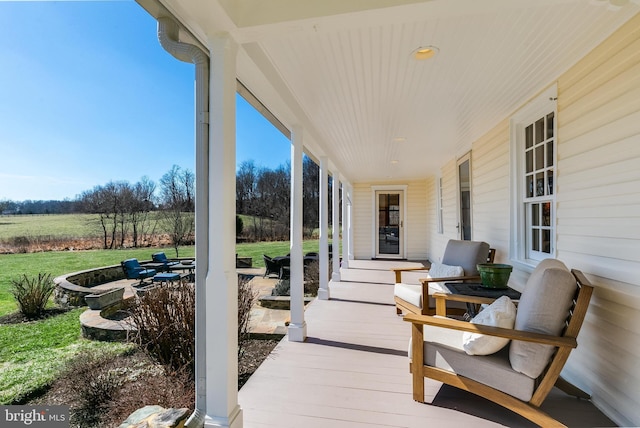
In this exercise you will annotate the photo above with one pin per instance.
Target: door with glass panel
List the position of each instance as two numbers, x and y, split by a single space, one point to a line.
389 224
464 201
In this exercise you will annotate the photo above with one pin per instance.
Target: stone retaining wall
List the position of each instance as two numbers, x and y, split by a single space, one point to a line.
72 288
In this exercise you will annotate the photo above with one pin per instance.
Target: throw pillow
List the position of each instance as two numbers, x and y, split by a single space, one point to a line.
501 313
439 270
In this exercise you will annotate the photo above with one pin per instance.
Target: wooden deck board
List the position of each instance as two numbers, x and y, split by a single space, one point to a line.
353 371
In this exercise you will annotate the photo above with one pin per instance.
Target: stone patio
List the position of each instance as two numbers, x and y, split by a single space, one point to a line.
100 325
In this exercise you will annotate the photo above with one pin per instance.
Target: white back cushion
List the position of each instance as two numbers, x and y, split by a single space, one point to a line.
543 308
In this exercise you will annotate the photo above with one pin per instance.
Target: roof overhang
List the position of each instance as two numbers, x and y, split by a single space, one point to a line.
344 70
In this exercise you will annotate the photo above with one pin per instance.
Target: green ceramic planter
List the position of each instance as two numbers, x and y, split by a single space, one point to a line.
494 275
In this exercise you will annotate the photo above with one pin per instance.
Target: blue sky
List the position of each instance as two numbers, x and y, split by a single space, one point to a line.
88 95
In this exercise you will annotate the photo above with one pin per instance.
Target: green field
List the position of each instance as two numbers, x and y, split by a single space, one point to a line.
62 226
51 225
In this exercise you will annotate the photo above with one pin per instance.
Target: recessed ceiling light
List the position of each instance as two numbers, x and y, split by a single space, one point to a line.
424 52
393 162
399 140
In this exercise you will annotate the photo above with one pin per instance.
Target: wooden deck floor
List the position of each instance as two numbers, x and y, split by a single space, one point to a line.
353 371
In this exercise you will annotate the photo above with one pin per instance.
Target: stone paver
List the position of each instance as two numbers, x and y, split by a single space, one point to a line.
263 320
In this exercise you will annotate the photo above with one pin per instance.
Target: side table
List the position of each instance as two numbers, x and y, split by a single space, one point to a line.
478 290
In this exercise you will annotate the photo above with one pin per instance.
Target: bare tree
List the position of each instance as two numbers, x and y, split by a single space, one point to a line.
310 196
139 210
121 208
246 178
271 204
177 199
104 201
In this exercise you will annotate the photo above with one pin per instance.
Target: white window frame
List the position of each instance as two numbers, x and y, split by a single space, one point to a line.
542 105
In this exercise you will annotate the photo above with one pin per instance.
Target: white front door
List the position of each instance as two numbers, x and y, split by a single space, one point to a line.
389 224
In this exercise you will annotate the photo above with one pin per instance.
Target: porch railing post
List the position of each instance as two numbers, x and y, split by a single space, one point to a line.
297 326
335 227
346 210
221 325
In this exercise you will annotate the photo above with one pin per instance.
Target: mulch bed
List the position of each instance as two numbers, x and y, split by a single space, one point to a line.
144 382
255 352
18 318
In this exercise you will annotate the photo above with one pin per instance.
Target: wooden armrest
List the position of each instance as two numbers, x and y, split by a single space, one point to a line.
449 279
507 333
398 271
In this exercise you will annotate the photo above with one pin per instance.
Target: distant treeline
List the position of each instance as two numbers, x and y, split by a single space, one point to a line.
39 207
263 194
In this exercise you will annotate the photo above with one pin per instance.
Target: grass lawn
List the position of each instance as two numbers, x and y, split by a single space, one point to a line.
33 353
60 262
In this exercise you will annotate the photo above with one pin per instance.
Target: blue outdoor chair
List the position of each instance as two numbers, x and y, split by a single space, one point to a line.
162 258
133 270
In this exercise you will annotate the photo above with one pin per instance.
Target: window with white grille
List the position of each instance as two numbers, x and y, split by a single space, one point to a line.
539 154
533 196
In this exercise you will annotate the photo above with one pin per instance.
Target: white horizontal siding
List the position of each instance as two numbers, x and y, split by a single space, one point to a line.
598 212
418 218
490 162
362 221
598 215
438 241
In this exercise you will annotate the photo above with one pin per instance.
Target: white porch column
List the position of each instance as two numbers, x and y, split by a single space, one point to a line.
350 222
297 326
221 326
335 227
323 291
346 206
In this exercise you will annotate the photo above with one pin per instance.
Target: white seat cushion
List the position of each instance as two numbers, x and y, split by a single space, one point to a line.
493 370
410 293
443 349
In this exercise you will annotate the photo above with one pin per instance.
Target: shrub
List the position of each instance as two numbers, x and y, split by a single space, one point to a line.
93 381
282 288
104 389
165 319
312 279
239 225
32 293
246 298
21 244
311 282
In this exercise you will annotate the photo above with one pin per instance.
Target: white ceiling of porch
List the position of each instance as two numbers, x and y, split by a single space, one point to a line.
342 69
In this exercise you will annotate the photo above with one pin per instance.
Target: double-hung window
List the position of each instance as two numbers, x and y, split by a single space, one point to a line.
534 144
